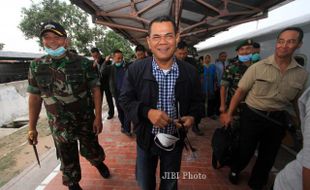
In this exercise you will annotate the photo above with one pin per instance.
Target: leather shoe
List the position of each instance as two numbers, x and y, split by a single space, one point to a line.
103 170
75 186
197 131
126 132
110 117
233 177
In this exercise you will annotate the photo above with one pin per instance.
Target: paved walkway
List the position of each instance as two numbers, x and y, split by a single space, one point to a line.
121 154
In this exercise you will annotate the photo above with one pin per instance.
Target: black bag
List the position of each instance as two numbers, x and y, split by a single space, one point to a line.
224 143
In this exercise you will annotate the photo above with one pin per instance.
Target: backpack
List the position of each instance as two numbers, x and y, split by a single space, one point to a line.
224 143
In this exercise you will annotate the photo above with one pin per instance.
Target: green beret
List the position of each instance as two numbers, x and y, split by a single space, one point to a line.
244 43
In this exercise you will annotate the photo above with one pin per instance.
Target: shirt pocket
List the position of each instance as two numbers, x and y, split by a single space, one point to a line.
75 81
44 77
291 90
262 86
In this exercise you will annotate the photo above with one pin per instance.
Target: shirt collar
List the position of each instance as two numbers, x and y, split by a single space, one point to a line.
271 61
173 68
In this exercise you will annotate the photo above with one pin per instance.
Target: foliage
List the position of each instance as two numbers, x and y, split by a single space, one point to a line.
113 41
73 19
1 46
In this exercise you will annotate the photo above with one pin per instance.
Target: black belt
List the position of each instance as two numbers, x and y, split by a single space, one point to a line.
267 114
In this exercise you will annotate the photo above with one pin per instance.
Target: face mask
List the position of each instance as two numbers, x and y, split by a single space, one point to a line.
255 57
245 58
55 53
165 141
118 64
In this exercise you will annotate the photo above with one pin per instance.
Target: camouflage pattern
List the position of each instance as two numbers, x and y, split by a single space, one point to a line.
231 76
65 87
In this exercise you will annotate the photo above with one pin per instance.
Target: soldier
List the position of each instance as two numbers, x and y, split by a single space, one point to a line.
70 90
234 71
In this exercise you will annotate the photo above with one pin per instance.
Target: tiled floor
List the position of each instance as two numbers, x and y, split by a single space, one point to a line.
121 154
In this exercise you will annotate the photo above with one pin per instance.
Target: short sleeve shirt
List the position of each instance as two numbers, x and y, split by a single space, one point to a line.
268 88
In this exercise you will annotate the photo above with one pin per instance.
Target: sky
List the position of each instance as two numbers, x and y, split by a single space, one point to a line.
10 34
14 40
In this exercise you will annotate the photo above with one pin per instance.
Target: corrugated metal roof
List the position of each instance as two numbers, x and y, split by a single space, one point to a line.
197 20
19 55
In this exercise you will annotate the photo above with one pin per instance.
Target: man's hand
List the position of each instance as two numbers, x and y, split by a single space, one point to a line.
222 108
32 137
97 125
187 121
158 118
225 119
107 58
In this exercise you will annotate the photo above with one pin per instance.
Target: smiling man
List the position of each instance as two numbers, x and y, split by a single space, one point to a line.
269 87
70 90
157 90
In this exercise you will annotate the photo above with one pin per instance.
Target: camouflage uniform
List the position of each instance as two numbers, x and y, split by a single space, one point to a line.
231 76
65 87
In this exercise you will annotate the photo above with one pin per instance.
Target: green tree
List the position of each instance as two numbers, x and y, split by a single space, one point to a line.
113 41
82 35
1 46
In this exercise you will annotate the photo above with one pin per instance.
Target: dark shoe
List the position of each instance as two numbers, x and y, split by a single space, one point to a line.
103 170
197 131
75 186
110 117
126 132
233 178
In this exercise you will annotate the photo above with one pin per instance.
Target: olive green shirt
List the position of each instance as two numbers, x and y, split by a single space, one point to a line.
268 88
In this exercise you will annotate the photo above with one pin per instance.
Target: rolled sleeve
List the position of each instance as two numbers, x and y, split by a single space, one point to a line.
32 82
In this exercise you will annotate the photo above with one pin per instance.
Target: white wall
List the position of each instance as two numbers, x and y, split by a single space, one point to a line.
13 101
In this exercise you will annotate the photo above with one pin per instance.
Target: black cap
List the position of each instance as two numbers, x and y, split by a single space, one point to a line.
54 27
244 43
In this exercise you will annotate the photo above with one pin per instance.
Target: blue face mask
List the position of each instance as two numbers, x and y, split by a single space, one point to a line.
255 57
55 53
245 58
118 64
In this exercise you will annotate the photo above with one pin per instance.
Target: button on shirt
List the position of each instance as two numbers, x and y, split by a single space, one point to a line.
268 88
166 94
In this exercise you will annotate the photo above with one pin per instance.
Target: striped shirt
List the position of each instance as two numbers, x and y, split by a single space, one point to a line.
166 94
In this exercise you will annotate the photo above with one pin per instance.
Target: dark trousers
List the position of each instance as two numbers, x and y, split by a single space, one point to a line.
258 131
105 89
170 163
211 107
217 102
125 122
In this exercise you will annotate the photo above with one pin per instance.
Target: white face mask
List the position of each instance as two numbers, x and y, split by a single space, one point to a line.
165 141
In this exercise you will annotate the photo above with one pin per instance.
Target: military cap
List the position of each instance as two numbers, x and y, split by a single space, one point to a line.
244 43
54 27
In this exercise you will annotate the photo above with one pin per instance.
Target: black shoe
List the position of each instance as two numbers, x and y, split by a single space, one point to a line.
197 131
75 186
110 117
233 178
103 170
126 132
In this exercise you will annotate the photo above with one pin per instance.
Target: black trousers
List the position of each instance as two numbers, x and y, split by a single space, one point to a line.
217 102
105 89
256 130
